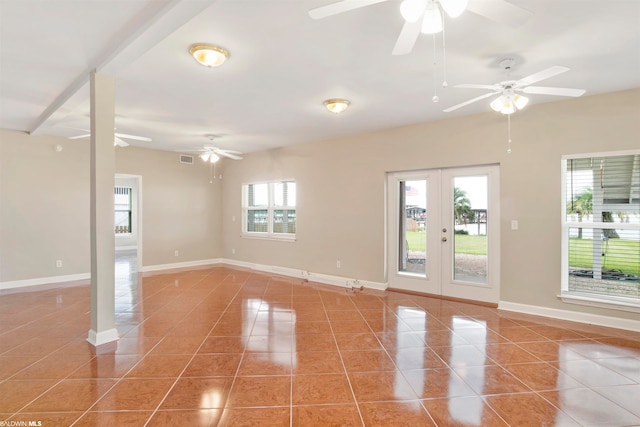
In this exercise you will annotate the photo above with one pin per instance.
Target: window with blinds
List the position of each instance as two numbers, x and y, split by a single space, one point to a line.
601 227
269 209
122 209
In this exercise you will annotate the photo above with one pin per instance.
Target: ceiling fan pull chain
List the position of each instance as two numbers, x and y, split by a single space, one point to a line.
435 98
509 133
444 58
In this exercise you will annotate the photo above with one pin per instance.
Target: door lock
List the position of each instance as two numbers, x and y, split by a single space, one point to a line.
444 230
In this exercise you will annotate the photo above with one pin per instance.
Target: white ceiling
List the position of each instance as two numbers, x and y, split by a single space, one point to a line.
283 64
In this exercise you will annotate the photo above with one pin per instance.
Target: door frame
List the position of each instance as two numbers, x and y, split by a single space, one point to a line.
435 284
138 217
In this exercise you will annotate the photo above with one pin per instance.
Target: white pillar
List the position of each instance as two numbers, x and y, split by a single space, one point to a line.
102 220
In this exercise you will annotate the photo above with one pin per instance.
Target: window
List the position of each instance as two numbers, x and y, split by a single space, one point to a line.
122 209
269 209
601 229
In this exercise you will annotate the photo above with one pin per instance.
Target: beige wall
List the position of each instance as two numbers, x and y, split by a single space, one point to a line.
44 206
341 187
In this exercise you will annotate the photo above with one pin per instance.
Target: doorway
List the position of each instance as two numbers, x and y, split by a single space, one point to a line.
444 232
128 219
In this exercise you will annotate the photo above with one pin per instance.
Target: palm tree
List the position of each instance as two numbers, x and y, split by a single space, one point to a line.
461 206
582 204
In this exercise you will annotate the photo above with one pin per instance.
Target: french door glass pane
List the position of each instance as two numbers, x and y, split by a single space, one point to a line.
470 213
412 226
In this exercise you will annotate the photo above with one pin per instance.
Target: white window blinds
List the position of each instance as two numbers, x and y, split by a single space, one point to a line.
601 226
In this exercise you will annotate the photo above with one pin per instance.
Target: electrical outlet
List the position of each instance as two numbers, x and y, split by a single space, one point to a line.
175 253
233 218
59 263
233 251
338 264
514 224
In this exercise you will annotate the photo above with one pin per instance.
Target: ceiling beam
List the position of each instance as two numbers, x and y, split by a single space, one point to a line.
145 30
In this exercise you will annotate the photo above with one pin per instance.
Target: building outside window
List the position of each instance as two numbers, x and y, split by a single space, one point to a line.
122 210
601 229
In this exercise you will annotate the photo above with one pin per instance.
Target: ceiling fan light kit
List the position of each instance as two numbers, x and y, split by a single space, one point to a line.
209 55
210 157
429 11
336 105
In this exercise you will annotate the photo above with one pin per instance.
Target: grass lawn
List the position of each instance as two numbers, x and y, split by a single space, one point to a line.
623 255
474 245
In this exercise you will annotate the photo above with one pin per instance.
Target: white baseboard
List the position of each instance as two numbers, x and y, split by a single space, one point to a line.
126 248
574 316
102 337
44 281
186 264
325 279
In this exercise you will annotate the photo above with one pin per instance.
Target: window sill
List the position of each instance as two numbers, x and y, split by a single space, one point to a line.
271 237
591 300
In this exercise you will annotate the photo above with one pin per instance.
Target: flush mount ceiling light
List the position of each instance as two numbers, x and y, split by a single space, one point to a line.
336 105
209 55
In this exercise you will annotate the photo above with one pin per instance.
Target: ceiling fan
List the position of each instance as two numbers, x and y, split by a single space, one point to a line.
117 139
509 100
212 154
426 16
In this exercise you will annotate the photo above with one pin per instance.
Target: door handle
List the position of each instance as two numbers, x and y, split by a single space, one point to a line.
444 239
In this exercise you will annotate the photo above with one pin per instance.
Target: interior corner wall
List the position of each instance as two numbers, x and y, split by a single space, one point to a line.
44 207
180 206
341 189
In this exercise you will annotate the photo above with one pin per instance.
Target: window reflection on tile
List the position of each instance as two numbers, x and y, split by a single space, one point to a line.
223 346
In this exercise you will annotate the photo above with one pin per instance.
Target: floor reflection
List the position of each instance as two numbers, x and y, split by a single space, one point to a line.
224 346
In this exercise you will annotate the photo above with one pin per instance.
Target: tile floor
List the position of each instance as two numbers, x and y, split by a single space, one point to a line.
223 346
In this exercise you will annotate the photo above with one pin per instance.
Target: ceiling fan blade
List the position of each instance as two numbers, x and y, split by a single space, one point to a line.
229 155
472 86
541 75
407 38
220 150
339 7
500 11
558 91
120 143
134 137
80 136
471 101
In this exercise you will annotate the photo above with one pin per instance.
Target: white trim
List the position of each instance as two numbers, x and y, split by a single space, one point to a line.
126 248
610 302
186 264
326 279
276 237
600 154
574 316
102 337
44 281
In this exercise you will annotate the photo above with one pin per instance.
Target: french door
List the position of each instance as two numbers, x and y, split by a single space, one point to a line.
444 232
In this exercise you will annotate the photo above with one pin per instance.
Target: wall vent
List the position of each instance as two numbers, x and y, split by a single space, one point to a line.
184 158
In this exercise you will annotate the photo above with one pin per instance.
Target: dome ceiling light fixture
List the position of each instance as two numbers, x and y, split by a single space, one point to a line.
208 54
336 105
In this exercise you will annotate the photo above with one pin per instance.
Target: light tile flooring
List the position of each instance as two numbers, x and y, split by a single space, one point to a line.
222 346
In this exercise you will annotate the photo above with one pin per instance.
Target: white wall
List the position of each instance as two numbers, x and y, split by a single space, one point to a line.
341 189
44 207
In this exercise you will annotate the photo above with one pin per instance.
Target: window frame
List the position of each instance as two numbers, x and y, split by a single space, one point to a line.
581 297
271 207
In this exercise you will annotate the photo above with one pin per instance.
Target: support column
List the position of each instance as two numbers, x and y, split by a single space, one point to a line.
102 234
